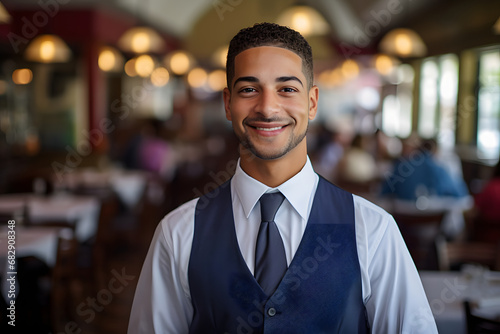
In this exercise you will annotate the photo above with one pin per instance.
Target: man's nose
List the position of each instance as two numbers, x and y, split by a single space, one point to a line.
268 103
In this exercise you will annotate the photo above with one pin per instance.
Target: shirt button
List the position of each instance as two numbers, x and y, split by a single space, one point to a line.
271 312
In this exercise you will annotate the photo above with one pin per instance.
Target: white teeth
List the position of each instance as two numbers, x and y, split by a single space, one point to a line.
269 129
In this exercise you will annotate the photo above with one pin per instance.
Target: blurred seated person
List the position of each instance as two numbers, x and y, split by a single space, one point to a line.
419 184
416 173
487 202
447 158
331 153
357 170
149 151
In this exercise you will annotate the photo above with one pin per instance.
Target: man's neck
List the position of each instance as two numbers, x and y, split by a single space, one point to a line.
277 171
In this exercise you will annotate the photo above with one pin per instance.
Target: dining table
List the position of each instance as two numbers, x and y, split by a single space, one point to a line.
128 185
36 241
446 292
83 211
453 223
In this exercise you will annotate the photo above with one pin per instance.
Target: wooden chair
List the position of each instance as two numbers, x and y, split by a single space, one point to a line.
65 287
103 242
62 223
453 254
420 232
20 216
485 230
479 325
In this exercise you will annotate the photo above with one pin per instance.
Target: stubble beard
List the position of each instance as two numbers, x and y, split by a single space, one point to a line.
248 146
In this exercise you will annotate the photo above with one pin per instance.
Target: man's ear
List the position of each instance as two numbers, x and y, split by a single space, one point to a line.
313 102
227 99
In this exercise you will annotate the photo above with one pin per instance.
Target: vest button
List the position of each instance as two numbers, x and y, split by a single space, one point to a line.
271 312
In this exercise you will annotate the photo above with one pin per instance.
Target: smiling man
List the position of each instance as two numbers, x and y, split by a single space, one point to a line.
277 249
270 100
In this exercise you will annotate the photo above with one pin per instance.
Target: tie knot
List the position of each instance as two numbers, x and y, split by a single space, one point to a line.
269 205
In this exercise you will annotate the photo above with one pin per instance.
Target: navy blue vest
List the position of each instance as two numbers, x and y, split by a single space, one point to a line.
320 292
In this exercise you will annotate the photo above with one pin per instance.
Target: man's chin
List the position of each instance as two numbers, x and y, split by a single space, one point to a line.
250 151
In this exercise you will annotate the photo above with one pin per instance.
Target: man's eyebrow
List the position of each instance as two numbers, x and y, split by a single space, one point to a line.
289 78
248 79
279 79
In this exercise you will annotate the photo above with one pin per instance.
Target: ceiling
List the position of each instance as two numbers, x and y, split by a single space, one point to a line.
204 25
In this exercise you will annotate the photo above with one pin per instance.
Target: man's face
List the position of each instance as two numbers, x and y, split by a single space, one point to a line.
269 103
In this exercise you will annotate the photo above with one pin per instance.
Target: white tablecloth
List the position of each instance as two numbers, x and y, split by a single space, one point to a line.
32 241
40 242
447 290
128 185
453 221
83 210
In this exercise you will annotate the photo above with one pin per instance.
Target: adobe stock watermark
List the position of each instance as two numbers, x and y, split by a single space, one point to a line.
421 321
211 189
223 6
454 290
31 26
363 36
297 273
408 165
122 107
92 305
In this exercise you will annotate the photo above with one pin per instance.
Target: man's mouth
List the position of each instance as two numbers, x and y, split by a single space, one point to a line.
269 129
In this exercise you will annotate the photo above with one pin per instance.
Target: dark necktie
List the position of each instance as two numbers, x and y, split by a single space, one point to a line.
270 258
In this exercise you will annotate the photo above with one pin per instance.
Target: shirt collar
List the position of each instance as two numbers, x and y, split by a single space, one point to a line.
297 190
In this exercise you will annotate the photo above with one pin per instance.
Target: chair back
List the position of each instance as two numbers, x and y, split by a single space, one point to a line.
420 232
479 325
65 282
453 254
485 230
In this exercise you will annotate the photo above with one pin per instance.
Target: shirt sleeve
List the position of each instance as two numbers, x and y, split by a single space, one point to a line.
395 300
162 302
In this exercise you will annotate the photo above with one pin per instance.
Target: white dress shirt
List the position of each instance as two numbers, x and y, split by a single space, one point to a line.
392 292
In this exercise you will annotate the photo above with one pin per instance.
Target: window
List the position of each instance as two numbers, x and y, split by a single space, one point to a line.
488 123
438 99
397 106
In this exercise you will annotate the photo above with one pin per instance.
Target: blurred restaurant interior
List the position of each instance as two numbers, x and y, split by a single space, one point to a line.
111 115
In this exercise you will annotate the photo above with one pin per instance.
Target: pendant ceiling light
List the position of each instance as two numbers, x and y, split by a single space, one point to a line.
496 27
4 15
403 43
141 40
110 59
305 20
48 49
179 62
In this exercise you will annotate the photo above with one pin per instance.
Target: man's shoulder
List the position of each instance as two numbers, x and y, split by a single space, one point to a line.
369 211
179 216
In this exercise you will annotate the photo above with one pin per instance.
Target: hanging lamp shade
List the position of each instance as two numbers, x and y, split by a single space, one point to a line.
219 56
496 27
385 64
179 62
141 40
403 43
305 20
48 49
4 15
110 59
22 76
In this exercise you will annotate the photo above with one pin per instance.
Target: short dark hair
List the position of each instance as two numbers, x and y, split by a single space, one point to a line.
270 34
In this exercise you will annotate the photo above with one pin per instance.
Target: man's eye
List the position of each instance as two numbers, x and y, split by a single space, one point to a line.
247 90
288 90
